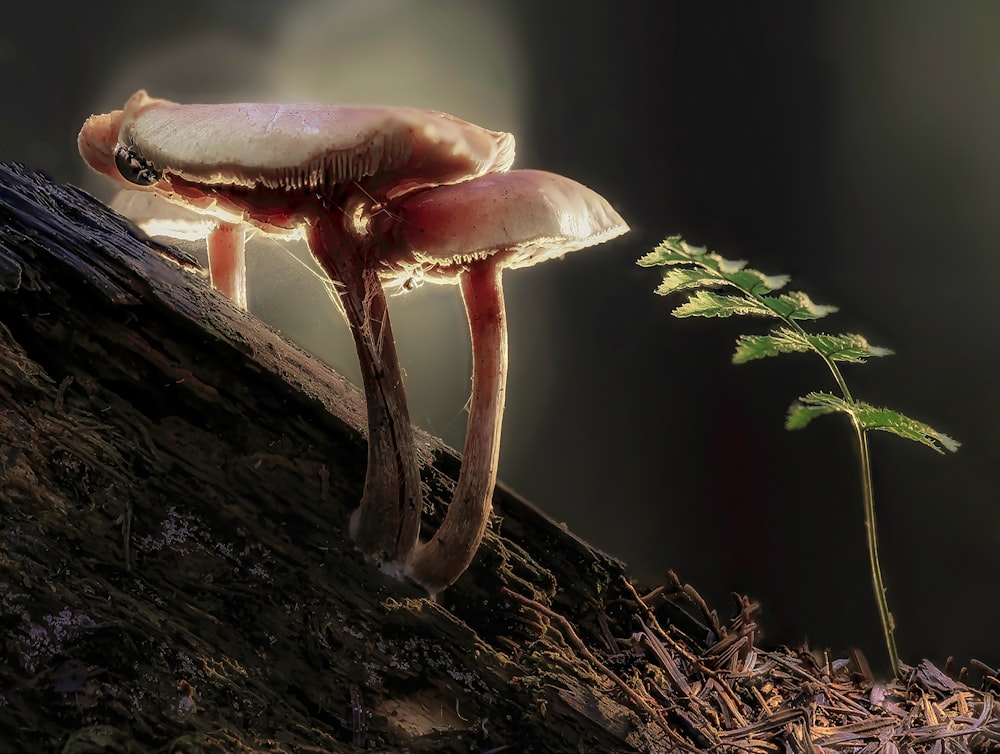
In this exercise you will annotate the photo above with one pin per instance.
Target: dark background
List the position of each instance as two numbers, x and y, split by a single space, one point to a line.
852 145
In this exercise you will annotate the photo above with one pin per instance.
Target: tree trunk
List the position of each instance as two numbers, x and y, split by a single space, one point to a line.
176 575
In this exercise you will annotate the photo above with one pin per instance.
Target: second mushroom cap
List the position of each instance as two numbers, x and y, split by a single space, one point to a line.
524 217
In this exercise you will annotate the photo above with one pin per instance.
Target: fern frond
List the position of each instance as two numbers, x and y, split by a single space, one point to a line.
811 405
688 277
673 250
704 303
797 305
756 282
846 347
711 268
886 420
850 348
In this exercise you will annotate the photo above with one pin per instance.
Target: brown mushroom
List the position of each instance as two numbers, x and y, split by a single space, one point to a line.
469 233
331 170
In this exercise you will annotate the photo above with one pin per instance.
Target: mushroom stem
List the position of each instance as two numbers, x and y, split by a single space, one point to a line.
227 265
438 563
387 522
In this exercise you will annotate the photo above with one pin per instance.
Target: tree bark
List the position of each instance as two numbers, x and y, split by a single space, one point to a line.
175 569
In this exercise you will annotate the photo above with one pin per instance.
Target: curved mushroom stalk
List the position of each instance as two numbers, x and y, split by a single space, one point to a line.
470 232
438 563
387 523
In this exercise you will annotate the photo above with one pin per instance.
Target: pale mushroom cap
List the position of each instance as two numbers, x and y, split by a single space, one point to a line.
526 216
288 147
98 140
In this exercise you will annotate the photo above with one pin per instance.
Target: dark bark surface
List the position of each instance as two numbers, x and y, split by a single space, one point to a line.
175 572
176 576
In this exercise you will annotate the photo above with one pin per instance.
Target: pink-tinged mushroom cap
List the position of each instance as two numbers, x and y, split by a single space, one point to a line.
521 218
292 147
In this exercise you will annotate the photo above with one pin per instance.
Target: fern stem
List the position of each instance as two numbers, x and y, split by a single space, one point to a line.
867 486
868 493
888 625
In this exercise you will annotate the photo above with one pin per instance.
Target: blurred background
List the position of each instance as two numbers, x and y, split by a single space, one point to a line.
852 145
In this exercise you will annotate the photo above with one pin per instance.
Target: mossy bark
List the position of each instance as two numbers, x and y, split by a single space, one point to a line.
175 570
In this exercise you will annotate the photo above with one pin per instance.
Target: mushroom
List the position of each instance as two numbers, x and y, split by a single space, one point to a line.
331 170
469 233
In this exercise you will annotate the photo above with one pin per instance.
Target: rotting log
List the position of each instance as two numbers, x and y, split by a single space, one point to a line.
175 573
175 568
